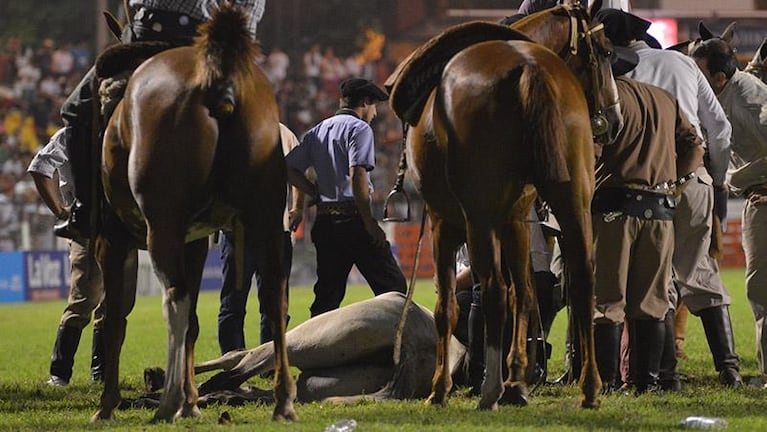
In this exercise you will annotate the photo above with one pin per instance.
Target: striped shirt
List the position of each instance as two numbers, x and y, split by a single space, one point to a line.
202 10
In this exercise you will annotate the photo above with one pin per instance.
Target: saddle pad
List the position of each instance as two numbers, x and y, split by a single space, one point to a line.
412 81
127 57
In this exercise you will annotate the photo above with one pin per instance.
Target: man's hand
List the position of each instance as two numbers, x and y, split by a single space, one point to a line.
758 197
720 201
375 231
63 213
295 216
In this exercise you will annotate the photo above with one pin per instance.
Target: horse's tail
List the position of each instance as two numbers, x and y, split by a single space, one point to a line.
225 50
544 124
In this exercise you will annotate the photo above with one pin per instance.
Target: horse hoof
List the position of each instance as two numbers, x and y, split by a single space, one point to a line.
157 420
101 416
487 405
286 413
590 403
436 401
514 395
190 412
161 417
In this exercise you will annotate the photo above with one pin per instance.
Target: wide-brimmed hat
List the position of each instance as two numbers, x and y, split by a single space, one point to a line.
351 87
623 27
624 60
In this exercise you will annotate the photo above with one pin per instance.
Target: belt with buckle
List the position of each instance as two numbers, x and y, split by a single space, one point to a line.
340 208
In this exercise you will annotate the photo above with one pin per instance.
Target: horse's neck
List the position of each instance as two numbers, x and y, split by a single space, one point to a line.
552 33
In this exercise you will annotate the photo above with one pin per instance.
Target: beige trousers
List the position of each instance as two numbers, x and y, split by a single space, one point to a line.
86 291
754 226
632 259
695 272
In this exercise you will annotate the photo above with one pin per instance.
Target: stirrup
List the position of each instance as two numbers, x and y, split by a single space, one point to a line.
395 198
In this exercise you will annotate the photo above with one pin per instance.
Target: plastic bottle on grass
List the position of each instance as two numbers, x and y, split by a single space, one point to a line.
698 422
346 425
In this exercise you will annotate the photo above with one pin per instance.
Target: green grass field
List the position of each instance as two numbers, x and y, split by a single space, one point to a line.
26 403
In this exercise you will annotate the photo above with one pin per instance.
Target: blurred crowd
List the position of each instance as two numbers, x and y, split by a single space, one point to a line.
35 79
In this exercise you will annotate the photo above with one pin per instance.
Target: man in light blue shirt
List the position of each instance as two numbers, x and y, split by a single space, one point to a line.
341 151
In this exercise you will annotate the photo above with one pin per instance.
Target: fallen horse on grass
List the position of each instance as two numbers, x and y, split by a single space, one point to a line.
344 355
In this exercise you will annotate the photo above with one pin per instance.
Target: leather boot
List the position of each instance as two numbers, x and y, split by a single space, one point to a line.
718 328
669 380
573 375
476 348
63 357
607 340
97 357
647 338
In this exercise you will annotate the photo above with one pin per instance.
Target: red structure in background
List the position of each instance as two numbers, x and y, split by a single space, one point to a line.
733 249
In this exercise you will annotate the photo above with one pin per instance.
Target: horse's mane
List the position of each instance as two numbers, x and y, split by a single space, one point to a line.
225 48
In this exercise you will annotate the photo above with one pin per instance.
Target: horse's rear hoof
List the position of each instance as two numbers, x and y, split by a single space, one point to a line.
286 413
191 411
514 395
486 405
101 416
590 403
434 400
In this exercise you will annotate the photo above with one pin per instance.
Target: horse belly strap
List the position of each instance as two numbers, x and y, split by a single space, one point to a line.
634 202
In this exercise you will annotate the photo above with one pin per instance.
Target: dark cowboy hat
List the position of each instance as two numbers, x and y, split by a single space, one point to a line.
624 60
623 27
361 87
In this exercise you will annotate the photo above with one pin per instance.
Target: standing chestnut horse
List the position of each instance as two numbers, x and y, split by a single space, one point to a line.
172 175
507 119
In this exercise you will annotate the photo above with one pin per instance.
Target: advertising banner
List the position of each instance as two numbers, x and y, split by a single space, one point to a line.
11 277
47 275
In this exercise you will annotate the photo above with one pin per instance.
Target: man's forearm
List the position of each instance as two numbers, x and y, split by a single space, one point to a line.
49 192
299 180
361 192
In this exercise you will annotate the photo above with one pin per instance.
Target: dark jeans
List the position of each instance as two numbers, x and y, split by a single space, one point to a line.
231 313
341 241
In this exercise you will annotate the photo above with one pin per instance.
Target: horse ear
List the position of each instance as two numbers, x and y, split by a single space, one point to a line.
729 33
114 25
596 5
705 33
762 51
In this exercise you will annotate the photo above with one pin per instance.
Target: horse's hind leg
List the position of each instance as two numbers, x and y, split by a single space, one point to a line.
571 204
273 297
485 252
517 250
194 254
167 250
118 259
446 240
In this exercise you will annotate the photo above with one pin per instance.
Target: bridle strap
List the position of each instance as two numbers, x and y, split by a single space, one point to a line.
576 23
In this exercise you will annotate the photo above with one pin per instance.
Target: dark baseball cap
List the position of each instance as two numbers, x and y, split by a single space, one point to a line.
624 60
622 27
351 87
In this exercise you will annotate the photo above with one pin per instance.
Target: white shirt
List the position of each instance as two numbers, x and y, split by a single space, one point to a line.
680 76
289 142
54 157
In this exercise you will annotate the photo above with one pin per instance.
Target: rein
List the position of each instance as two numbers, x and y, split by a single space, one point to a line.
599 123
399 189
